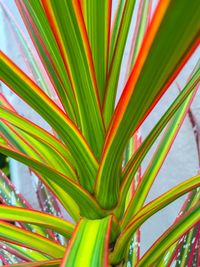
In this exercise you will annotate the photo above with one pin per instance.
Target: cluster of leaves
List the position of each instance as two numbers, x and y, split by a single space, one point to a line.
91 160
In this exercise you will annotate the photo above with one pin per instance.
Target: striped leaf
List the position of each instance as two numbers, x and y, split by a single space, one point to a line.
65 199
170 236
35 217
187 251
97 16
135 161
9 196
115 28
158 159
91 251
37 149
13 234
147 211
85 201
52 263
135 103
59 192
49 53
75 50
116 60
24 253
34 130
30 92
170 255
29 57
142 21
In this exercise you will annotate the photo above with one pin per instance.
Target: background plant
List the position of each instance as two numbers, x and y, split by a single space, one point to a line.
91 163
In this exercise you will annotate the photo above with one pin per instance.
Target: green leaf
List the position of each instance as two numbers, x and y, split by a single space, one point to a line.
37 149
139 96
61 194
25 253
65 199
90 243
147 211
185 250
97 16
71 136
135 161
87 204
113 74
157 159
35 131
49 53
75 50
115 28
191 200
142 21
170 236
29 57
52 263
35 217
9 196
18 236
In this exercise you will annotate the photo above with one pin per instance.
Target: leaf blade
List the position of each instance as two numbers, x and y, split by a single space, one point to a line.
170 236
158 158
53 263
25 238
97 15
125 120
147 211
9 213
84 200
70 135
92 251
75 51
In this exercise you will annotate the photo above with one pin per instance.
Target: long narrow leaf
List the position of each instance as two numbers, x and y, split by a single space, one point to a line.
11 233
75 50
85 201
115 28
157 159
139 96
34 130
91 251
97 16
35 217
48 51
169 256
10 196
135 161
52 263
60 192
28 90
24 253
142 21
37 149
113 74
146 212
170 236
28 55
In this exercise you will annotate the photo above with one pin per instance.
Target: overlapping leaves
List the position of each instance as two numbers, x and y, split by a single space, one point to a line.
82 162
